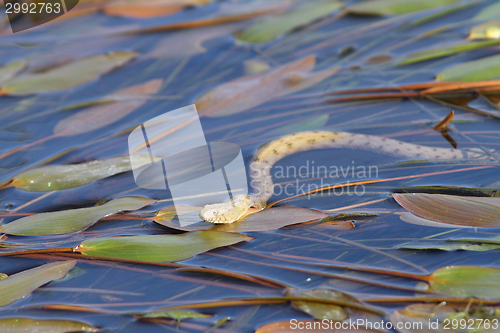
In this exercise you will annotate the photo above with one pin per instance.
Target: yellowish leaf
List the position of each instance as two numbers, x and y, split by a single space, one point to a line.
21 284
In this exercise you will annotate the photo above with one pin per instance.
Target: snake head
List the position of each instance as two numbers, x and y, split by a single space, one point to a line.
227 212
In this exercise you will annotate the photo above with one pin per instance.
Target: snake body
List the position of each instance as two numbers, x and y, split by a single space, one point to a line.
267 155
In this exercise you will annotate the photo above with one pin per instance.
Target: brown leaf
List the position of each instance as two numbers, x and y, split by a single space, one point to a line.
418 317
103 115
228 12
186 43
247 92
150 8
266 220
445 121
311 326
456 210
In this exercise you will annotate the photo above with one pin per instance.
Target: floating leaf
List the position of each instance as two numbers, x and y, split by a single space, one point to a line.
396 7
495 240
266 220
445 51
448 246
486 30
247 92
418 318
308 80
323 310
228 12
8 71
67 75
309 326
302 125
271 28
73 220
488 13
466 211
466 281
413 219
62 177
103 115
289 326
176 314
452 190
28 325
20 285
152 8
188 42
476 70
255 66
136 92
159 248
436 14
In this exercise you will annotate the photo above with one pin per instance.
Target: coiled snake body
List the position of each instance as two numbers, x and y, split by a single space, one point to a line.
270 153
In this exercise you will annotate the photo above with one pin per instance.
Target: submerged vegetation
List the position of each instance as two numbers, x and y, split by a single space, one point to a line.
404 246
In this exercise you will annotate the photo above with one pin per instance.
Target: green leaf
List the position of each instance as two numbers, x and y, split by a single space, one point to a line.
28 325
271 28
464 211
73 220
322 310
486 30
448 246
20 285
445 51
396 7
487 68
67 75
466 281
159 248
8 71
438 14
177 314
99 116
62 177
488 13
266 220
